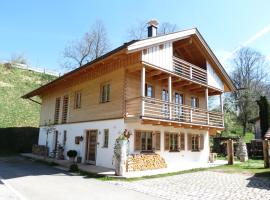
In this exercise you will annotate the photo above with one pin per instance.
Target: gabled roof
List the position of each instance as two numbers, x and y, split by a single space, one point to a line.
137 45
141 44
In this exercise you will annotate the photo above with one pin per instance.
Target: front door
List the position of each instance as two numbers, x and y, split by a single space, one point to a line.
91 146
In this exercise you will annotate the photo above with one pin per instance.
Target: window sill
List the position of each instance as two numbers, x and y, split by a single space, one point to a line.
174 151
105 102
147 152
105 147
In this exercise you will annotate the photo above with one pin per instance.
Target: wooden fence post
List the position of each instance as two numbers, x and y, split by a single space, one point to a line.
230 152
266 154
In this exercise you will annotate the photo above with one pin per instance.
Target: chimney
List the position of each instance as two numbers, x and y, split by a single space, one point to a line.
152 28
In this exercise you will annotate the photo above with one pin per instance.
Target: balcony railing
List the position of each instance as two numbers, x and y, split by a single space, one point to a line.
189 71
163 110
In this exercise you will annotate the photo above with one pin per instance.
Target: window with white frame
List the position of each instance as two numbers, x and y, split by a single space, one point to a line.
105 93
174 142
77 100
106 138
146 141
149 90
194 102
195 143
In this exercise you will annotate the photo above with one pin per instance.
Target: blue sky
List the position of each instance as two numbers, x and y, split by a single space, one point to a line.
41 29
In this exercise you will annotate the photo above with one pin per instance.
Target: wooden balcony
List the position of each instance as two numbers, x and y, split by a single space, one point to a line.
157 109
189 71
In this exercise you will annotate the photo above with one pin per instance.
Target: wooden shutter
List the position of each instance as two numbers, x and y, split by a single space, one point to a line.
137 140
201 142
65 109
189 142
178 142
157 140
167 141
182 141
57 110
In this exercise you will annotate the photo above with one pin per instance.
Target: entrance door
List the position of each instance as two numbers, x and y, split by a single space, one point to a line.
91 146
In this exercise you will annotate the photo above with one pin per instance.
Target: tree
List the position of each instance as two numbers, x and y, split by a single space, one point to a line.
18 59
264 111
139 31
249 76
92 45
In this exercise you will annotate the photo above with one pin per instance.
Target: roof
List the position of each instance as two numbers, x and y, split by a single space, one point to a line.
136 45
89 64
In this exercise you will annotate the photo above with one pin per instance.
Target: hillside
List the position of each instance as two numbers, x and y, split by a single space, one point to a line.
15 111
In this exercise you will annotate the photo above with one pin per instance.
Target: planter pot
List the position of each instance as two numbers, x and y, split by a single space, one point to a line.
72 159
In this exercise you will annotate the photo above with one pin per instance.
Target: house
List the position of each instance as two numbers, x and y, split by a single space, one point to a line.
156 88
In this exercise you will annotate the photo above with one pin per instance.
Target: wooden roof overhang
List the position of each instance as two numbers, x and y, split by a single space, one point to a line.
76 73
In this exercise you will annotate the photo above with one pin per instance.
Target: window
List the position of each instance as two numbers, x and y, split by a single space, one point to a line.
65 109
182 141
149 90
194 102
179 101
106 138
105 93
195 143
165 107
174 142
57 110
157 141
77 100
146 141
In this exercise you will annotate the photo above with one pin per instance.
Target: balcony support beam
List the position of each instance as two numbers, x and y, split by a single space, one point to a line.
142 88
206 102
170 95
221 108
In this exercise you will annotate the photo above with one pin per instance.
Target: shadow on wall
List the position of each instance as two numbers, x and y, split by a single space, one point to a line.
18 139
260 180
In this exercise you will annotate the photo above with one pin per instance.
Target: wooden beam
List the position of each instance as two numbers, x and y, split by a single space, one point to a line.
153 73
134 68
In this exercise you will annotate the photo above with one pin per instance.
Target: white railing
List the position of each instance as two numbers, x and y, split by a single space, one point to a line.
189 71
159 109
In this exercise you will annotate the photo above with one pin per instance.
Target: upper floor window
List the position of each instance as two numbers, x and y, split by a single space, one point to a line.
106 138
65 109
149 90
57 110
77 100
105 93
194 102
178 98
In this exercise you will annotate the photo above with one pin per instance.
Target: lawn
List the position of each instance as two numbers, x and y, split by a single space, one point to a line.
255 167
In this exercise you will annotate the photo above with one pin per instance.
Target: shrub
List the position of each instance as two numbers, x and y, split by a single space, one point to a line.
73 168
72 153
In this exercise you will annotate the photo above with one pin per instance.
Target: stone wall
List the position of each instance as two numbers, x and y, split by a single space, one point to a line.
141 162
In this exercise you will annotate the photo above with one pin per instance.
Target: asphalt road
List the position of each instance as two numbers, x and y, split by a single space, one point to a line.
25 180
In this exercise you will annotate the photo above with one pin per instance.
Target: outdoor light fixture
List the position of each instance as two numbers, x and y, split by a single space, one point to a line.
81 138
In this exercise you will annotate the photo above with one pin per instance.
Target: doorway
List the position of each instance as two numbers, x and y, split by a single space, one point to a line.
91 146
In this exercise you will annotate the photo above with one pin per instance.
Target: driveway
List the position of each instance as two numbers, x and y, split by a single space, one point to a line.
203 185
26 180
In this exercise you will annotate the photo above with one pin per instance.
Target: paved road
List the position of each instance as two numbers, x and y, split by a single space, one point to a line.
26 180
204 185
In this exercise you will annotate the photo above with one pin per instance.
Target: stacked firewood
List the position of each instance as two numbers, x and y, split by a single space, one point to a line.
141 162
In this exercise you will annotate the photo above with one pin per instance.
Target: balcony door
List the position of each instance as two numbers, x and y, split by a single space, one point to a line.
178 109
165 106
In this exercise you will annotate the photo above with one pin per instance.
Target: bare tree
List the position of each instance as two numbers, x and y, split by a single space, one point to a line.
92 45
250 77
140 30
18 59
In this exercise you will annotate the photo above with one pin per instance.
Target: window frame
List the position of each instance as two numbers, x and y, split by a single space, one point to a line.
197 102
195 142
147 133
174 136
107 97
76 104
147 85
105 141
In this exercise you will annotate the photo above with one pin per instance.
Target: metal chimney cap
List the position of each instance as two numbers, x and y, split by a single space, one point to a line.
153 22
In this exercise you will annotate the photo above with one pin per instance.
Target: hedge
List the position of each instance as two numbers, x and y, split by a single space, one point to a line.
18 139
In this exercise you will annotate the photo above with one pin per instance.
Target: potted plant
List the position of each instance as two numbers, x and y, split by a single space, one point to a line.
72 154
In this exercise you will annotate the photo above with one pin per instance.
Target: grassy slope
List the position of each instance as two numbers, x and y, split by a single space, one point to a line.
15 111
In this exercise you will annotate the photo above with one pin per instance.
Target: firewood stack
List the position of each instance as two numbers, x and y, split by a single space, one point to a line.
141 162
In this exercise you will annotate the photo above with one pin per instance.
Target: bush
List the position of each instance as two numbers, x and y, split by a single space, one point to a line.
72 153
73 168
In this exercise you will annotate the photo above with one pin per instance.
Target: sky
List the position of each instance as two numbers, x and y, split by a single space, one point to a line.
42 29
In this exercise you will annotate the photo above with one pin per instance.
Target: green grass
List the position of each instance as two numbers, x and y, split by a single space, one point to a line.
15 111
255 167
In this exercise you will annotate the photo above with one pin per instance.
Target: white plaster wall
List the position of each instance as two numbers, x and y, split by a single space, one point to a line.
160 57
173 158
103 155
213 78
